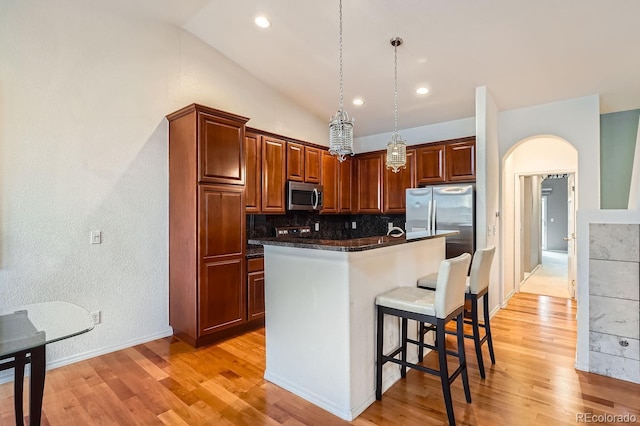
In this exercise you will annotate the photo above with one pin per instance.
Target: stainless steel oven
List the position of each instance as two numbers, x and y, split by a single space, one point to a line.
304 196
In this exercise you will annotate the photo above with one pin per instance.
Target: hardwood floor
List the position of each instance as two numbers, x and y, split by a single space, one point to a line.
168 382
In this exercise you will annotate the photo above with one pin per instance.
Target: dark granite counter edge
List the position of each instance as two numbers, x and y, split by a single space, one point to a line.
353 245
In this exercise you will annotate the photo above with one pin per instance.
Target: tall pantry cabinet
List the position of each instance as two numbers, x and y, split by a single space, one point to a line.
207 279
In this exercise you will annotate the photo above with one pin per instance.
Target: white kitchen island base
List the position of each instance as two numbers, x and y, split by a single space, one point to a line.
320 318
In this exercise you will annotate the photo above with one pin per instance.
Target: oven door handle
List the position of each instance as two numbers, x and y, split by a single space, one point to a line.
315 198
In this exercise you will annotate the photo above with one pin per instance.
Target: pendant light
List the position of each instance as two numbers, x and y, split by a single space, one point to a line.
397 147
340 125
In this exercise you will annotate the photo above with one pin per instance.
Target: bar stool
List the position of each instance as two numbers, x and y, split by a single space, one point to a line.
477 287
434 307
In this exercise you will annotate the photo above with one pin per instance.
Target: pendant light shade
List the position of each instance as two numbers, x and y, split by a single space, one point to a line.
340 125
397 147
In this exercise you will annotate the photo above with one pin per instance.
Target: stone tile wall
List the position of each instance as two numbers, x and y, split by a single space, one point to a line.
614 300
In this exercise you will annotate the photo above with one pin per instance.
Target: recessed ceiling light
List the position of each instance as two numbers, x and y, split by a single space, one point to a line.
358 101
422 90
262 22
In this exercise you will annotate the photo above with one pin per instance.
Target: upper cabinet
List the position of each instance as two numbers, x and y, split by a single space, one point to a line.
312 164
450 161
295 162
218 143
303 163
336 184
273 174
368 176
396 184
461 161
430 164
253 185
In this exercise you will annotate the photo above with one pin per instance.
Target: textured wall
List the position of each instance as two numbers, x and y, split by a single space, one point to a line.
83 145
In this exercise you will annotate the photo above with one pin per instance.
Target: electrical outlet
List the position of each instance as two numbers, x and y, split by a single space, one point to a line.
97 317
389 226
317 226
353 225
96 237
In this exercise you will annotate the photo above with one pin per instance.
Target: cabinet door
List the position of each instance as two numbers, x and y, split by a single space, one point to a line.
221 149
255 287
345 177
329 183
368 177
312 164
253 185
273 175
461 161
395 185
222 221
295 162
222 296
430 164
221 284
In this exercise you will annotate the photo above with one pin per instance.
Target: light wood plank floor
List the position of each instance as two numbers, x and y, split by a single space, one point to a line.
168 382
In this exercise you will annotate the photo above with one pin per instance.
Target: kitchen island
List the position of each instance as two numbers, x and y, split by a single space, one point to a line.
320 312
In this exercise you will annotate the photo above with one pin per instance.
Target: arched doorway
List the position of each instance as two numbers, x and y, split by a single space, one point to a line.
530 159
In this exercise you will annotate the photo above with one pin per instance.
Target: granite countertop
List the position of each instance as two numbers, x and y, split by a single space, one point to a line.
356 244
254 251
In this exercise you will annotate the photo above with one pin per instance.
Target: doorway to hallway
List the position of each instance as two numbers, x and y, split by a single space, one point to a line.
550 277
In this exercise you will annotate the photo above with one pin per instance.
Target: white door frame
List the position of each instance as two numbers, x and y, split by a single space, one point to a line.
517 203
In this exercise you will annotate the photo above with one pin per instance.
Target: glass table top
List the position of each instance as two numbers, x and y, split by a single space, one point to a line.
27 326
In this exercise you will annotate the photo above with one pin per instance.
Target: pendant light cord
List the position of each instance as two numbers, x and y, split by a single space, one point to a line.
395 100
340 5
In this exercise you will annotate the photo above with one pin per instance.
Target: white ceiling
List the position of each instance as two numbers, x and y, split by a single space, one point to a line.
526 52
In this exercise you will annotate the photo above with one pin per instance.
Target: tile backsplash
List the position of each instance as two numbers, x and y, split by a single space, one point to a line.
331 227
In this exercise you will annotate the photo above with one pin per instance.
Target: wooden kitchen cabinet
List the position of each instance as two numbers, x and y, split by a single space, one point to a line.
395 185
295 162
207 279
336 184
345 179
329 183
274 174
368 183
312 164
461 161
255 289
303 163
253 185
430 164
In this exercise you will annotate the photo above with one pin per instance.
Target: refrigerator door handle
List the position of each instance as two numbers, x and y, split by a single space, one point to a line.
433 217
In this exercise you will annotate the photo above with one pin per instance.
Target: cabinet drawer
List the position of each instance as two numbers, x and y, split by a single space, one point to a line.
255 265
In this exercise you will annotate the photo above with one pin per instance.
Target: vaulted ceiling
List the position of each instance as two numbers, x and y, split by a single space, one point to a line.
525 52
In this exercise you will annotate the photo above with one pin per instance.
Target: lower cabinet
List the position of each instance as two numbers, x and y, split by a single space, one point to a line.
255 289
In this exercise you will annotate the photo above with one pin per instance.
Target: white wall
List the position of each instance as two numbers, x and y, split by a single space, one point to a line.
488 185
83 145
417 135
575 121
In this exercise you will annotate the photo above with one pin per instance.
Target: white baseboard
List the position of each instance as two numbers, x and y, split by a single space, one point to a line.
7 376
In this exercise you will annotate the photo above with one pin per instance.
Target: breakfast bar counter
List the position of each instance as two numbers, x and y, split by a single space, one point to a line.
320 312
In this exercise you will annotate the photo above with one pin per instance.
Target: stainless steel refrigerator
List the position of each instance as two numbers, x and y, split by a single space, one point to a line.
444 207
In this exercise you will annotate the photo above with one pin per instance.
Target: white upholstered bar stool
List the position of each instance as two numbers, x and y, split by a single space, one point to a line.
434 307
477 287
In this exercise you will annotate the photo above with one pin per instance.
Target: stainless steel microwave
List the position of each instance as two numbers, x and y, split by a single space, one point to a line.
304 196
